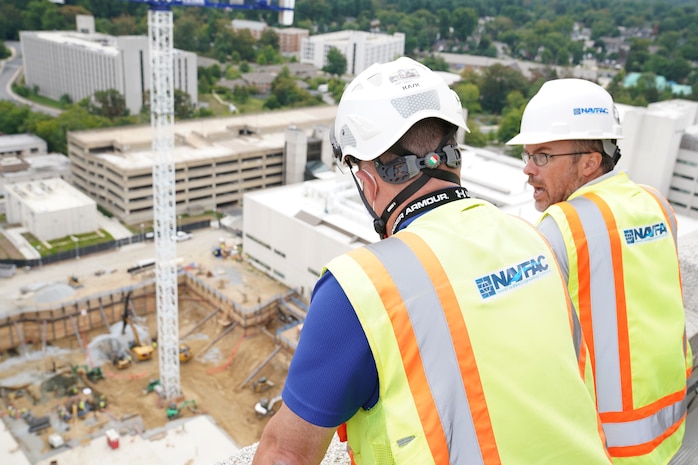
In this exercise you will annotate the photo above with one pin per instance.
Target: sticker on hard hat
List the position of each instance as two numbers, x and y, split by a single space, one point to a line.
592 111
403 75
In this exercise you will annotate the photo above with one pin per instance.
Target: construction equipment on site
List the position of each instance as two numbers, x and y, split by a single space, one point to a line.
153 386
184 353
174 410
162 118
140 351
265 406
122 361
262 384
93 374
74 282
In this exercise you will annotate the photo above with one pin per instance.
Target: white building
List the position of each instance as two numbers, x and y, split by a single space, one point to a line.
21 145
291 232
24 157
660 148
78 64
50 209
361 49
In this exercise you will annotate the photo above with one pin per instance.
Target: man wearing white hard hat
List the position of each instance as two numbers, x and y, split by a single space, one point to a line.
450 341
615 241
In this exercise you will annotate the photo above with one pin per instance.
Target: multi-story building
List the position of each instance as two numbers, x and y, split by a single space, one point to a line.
256 28
289 37
78 64
217 160
24 157
21 145
361 49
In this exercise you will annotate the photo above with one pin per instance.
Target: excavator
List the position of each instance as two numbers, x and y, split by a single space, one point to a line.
266 407
140 351
174 410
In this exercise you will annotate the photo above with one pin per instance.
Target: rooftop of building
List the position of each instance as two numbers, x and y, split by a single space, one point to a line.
62 195
15 141
341 36
130 147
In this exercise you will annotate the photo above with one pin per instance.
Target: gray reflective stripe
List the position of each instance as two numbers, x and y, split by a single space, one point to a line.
631 433
435 347
576 334
603 307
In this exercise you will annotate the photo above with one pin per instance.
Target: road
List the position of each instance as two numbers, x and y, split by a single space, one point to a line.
10 70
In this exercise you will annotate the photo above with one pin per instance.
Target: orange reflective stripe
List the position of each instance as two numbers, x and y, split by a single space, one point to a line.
584 283
462 346
643 412
409 350
582 357
621 304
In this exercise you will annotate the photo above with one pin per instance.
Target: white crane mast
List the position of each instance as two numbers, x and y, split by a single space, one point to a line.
162 114
164 206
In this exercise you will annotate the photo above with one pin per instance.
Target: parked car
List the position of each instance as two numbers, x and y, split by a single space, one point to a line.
183 236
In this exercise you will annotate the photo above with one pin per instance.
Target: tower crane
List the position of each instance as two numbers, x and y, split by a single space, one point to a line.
163 141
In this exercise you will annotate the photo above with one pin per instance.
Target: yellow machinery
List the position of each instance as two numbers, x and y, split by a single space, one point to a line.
140 351
122 362
184 353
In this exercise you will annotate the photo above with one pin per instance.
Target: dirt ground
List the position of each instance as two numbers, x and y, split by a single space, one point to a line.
213 380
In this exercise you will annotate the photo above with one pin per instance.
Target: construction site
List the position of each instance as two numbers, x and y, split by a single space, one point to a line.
79 355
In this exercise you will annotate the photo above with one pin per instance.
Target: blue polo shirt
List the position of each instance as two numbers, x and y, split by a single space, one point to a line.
333 373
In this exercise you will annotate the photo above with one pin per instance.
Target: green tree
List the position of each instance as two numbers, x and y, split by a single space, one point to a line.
107 103
469 95
183 106
336 62
4 51
54 130
637 55
496 83
269 38
436 63
9 26
465 20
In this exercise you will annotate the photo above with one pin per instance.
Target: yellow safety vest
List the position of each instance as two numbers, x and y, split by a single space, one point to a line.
632 313
478 350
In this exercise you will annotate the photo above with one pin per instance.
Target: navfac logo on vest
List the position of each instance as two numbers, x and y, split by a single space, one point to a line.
645 233
506 279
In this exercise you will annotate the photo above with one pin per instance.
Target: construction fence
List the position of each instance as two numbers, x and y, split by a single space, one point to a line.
72 319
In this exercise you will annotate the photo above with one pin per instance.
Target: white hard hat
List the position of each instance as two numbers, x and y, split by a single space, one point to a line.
569 109
384 101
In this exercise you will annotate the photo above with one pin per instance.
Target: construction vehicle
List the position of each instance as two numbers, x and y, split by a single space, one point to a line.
174 410
140 351
121 361
153 386
93 374
265 406
74 282
184 353
262 384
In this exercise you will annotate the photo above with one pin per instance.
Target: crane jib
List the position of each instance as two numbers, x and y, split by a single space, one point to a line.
281 5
